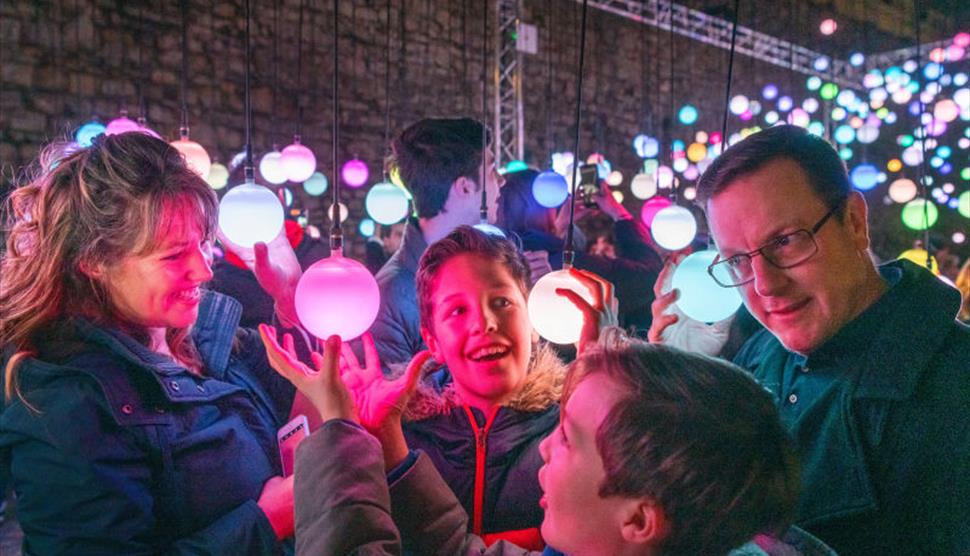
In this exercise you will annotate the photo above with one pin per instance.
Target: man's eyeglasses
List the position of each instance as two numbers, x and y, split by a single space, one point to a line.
784 251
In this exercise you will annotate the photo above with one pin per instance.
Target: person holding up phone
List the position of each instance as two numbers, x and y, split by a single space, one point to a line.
138 418
541 230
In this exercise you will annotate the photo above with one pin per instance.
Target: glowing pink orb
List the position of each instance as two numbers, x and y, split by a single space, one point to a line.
121 124
354 173
195 156
338 296
828 26
298 162
962 39
651 208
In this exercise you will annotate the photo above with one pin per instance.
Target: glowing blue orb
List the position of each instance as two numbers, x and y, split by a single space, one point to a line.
769 92
386 203
316 184
515 166
367 227
857 59
550 189
249 214
87 132
687 114
646 146
338 296
864 177
785 103
844 134
701 298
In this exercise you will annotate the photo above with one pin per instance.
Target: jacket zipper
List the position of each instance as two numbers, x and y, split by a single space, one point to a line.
481 450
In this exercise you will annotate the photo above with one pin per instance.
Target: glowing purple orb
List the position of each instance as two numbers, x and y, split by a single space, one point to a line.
338 296
354 173
298 162
121 124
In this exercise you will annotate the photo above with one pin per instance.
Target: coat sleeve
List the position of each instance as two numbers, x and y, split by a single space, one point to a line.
344 506
86 485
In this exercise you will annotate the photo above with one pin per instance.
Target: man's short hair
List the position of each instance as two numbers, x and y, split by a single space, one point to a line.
432 153
465 240
824 168
698 436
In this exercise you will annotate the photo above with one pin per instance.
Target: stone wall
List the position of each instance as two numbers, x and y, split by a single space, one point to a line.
63 62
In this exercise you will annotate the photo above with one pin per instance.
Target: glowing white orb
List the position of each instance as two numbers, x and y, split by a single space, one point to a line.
271 167
701 298
738 105
249 214
643 186
337 295
195 156
298 162
386 203
343 212
828 26
902 190
673 228
614 178
218 176
489 229
354 173
554 317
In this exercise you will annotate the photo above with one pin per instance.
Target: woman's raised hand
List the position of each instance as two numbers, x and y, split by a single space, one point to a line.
380 401
598 315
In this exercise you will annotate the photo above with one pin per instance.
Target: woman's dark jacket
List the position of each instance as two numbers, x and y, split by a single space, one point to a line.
125 452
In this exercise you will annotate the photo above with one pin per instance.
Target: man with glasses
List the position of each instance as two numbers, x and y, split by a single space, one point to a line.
868 366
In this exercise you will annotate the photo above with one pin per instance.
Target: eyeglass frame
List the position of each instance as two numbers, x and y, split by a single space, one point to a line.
760 251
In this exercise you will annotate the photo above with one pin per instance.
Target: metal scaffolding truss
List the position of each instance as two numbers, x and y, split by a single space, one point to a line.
883 60
509 126
717 32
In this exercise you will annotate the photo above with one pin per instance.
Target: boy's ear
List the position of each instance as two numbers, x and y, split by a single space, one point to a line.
432 344
644 523
464 186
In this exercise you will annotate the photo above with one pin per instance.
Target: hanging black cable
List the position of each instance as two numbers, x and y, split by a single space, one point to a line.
483 210
670 106
249 170
730 76
921 135
336 233
274 124
387 86
142 73
184 126
299 73
568 253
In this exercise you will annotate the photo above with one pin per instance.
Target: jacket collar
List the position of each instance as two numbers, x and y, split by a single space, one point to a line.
436 394
908 323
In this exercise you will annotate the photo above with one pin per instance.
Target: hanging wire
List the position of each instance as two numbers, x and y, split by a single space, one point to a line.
276 73
921 129
299 73
730 76
670 101
568 253
249 170
387 87
142 112
184 127
483 210
336 233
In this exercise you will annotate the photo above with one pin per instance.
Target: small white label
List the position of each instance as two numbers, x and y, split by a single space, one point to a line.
528 39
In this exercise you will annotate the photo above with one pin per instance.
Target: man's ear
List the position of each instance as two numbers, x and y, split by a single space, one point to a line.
856 220
644 523
432 344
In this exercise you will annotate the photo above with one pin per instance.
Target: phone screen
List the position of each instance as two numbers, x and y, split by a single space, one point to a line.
588 184
289 437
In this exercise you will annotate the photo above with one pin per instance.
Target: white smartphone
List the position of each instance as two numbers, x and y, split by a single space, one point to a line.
288 438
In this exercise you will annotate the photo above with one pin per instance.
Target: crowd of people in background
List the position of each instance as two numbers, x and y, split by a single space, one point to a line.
831 414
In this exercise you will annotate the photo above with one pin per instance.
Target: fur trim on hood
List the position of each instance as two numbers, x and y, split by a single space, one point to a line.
542 388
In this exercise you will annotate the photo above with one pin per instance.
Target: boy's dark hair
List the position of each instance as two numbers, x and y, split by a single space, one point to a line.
432 153
518 210
698 436
465 240
824 168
